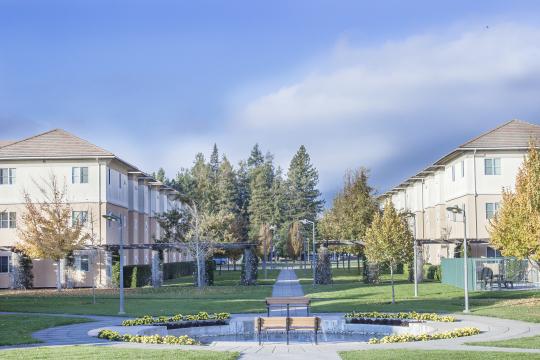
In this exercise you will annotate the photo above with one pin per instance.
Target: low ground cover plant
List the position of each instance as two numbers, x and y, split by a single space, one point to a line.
149 320
151 339
468 331
400 315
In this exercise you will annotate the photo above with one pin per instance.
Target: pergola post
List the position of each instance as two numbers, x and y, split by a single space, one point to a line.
157 273
15 276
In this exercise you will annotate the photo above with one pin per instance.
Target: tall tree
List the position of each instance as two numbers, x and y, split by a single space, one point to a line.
256 158
260 207
302 180
389 240
295 243
227 190
48 230
515 229
160 176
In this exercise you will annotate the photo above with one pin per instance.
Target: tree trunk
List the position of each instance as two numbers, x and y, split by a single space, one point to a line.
392 282
358 262
349 262
234 265
58 276
199 268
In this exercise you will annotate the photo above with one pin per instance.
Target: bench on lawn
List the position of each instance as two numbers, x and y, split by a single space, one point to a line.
294 301
287 324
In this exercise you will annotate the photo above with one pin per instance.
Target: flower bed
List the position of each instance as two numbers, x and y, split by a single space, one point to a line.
181 321
425 337
153 339
357 316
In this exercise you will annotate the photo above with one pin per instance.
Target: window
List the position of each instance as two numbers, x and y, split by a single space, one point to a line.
4 264
79 175
462 168
79 217
85 265
7 176
491 210
8 220
119 180
453 173
491 252
492 166
109 174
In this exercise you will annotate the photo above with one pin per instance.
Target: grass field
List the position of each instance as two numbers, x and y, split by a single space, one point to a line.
532 342
18 329
108 352
434 354
349 293
177 296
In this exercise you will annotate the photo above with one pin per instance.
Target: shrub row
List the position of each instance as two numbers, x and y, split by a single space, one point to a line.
152 339
425 337
433 272
176 269
401 315
149 320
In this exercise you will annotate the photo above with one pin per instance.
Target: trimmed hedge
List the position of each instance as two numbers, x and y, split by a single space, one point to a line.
149 320
152 339
426 337
177 269
401 315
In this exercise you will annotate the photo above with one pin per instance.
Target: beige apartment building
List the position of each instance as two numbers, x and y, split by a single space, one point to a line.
471 177
97 182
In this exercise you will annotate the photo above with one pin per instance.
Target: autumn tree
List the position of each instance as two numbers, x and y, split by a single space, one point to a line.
295 243
47 230
389 240
515 229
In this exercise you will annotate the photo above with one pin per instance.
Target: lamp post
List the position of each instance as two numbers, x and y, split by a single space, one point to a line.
410 214
273 229
457 210
118 219
314 261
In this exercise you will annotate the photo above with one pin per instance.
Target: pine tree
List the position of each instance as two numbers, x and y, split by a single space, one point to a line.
202 185
303 196
256 158
260 207
227 191
160 176
214 162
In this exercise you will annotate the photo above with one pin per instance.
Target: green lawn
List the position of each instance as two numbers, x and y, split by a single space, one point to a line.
532 342
177 296
349 293
18 329
108 352
433 354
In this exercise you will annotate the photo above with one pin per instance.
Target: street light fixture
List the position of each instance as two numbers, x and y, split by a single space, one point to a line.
314 261
118 219
457 210
412 215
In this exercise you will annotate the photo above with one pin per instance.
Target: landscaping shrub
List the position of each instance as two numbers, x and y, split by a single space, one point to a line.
425 337
401 315
149 320
133 283
209 268
434 272
152 339
177 269
137 275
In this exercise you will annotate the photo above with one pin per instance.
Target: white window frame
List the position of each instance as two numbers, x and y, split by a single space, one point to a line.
492 166
462 168
7 176
453 173
79 217
7 259
490 213
8 220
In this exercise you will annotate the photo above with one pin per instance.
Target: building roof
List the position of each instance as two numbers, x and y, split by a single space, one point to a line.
5 142
52 144
514 134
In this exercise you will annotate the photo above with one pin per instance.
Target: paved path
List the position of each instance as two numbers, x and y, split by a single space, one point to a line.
287 284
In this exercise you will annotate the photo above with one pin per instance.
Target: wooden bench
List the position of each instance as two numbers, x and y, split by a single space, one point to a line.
287 324
288 301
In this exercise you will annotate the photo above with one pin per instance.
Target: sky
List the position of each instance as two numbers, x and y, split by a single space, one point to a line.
388 85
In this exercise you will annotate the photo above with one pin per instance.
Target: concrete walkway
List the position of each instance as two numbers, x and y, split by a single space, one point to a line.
287 284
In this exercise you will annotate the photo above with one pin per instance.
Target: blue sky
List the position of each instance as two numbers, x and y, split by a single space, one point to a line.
391 85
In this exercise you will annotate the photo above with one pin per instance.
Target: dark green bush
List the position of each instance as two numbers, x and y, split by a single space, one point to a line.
176 269
434 272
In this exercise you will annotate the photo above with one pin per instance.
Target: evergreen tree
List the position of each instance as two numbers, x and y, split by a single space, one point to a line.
202 185
227 191
185 183
303 196
260 207
160 176
256 158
